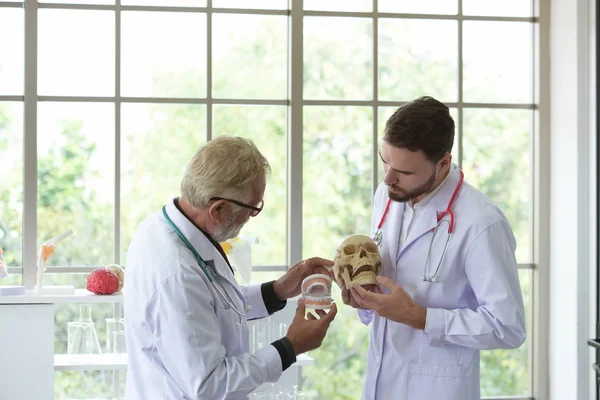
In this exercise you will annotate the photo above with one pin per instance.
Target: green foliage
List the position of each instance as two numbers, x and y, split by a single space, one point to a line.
66 199
159 139
157 142
497 160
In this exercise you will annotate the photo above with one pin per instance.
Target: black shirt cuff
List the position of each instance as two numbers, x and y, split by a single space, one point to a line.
286 352
272 302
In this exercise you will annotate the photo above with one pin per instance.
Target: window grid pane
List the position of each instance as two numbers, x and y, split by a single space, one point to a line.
249 56
159 62
79 64
11 196
12 50
322 124
266 126
478 136
148 181
75 162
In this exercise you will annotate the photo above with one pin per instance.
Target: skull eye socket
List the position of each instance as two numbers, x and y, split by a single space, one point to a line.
349 249
371 247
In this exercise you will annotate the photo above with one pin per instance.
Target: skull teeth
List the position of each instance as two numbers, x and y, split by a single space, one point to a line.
365 269
366 276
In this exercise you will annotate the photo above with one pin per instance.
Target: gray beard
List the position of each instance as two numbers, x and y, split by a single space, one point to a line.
228 230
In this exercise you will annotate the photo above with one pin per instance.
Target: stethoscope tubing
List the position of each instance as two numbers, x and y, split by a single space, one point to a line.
377 235
204 266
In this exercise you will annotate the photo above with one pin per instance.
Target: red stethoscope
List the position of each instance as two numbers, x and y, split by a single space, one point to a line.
377 235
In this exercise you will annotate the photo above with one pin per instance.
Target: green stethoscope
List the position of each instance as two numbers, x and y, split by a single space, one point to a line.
212 276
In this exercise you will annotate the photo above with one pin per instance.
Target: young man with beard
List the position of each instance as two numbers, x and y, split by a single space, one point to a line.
442 298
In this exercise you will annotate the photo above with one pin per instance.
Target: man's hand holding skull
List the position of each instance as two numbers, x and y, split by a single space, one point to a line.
397 305
357 271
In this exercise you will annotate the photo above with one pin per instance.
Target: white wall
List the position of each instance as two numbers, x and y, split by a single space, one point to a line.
593 185
571 191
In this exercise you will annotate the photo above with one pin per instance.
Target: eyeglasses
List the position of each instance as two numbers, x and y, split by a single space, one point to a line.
255 210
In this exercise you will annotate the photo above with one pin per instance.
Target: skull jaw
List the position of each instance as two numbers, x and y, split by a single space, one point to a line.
365 278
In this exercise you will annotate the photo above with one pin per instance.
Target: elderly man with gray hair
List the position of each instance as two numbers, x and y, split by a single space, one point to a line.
185 314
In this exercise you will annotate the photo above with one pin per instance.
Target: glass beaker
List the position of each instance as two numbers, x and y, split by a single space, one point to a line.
118 342
251 340
259 335
82 337
283 328
119 378
113 325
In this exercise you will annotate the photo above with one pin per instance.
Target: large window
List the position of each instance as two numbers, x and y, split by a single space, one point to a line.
103 103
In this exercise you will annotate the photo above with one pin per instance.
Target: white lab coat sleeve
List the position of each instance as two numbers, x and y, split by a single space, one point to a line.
254 299
185 327
499 320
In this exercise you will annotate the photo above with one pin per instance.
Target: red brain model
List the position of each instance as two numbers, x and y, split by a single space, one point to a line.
102 281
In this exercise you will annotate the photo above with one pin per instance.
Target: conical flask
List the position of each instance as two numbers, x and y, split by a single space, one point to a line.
82 333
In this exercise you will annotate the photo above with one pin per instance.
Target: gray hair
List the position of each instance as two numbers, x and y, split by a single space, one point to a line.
226 166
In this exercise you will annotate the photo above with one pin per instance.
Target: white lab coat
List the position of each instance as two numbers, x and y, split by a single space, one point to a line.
474 304
183 340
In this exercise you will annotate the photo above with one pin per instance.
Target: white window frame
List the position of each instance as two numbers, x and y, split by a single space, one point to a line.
296 103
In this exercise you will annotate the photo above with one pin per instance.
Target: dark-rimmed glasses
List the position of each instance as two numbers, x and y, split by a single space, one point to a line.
255 210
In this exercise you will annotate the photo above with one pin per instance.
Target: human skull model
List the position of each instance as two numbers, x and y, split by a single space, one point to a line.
357 261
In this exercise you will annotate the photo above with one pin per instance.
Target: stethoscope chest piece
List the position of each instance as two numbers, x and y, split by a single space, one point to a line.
377 237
